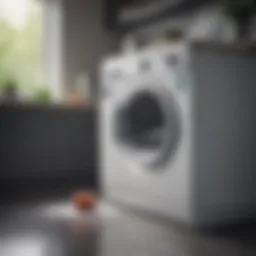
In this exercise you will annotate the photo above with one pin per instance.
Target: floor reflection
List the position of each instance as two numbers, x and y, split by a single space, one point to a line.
57 229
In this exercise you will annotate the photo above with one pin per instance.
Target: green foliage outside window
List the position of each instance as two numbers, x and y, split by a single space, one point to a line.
21 52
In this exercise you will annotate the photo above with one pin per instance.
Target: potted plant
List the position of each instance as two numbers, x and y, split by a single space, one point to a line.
42 95
173 34
241 12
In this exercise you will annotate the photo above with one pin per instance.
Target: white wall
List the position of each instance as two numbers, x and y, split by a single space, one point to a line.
52 46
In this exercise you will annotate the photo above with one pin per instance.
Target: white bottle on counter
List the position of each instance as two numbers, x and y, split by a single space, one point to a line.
83 87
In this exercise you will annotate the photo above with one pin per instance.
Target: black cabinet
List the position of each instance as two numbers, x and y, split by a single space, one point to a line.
47 147
125 15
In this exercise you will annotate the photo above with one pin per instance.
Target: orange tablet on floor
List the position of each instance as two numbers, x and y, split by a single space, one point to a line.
84 200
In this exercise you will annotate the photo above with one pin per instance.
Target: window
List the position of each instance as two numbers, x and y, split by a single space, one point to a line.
30 47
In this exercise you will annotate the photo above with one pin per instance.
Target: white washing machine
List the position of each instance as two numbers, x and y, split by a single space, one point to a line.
176 133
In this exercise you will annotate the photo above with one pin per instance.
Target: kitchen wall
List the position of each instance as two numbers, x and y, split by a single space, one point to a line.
53 46
86 40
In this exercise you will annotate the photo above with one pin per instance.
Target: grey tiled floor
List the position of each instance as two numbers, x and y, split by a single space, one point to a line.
56 229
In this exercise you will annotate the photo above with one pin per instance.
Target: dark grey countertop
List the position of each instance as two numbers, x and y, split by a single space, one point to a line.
55 228
45 106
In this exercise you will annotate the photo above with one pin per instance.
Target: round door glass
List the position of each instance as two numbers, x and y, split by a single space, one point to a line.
148 129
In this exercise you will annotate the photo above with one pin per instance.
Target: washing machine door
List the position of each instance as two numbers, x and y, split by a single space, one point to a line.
147 125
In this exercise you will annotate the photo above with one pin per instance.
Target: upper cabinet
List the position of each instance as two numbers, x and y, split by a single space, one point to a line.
126 15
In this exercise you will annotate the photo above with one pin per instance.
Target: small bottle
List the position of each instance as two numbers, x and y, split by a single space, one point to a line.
83 87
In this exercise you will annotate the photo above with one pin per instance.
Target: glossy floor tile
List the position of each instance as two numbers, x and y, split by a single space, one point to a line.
57 229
